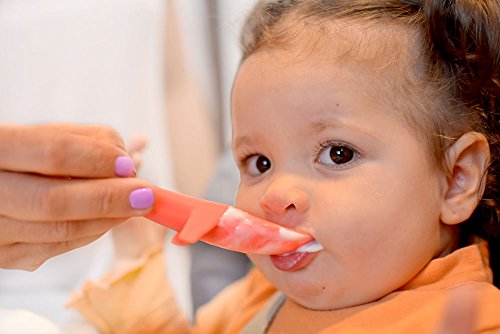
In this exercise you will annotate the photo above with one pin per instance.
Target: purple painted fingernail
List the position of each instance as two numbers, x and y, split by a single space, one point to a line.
142 198
124 166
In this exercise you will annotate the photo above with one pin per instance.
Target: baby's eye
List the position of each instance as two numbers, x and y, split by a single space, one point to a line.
335 155
258 164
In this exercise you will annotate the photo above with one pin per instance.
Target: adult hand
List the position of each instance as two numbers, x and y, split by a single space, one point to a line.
62 186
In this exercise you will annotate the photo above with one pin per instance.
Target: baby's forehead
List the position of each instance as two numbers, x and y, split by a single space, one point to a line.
388 48
390 51
391 54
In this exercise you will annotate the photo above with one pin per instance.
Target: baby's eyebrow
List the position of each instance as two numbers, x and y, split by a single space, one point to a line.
241 141
335 122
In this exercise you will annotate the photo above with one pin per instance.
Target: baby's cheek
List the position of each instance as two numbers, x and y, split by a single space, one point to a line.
246 202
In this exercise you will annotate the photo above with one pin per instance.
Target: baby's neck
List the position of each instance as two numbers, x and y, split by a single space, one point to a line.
449 240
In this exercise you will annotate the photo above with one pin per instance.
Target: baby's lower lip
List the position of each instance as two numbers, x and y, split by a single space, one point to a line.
293 261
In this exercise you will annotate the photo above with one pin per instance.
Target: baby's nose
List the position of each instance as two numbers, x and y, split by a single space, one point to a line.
282 198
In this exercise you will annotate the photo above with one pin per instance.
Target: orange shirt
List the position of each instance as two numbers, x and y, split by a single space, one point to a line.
140 301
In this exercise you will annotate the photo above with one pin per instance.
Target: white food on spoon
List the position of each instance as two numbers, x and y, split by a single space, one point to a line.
310 247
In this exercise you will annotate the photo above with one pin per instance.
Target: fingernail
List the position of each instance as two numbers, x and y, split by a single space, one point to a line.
142 198
124 166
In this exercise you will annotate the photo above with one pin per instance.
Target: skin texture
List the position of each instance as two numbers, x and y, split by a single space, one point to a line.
378 215
59 190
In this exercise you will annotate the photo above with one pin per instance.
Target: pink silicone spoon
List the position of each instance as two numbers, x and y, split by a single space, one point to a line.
222 225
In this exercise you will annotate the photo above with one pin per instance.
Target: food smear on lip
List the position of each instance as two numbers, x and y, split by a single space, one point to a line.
222 225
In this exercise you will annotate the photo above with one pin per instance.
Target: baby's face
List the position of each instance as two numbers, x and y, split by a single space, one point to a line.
318 152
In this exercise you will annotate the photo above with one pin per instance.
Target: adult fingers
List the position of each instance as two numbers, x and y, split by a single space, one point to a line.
99 132
61 150
36 198
29 256
17 231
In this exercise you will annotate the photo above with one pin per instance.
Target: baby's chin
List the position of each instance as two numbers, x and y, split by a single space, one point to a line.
302 286
322 293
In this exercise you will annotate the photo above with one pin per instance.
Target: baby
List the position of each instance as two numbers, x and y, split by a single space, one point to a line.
372 126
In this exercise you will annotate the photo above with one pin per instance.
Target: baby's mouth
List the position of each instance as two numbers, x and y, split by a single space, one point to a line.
298 259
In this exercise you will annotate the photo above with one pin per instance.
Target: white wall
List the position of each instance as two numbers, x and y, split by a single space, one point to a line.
231 18
228 22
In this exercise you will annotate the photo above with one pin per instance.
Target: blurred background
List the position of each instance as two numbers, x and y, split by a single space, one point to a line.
162 69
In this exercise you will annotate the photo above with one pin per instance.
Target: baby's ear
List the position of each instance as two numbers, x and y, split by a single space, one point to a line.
467 160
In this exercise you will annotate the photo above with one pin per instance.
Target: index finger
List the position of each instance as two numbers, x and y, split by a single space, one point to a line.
61 150
31 197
